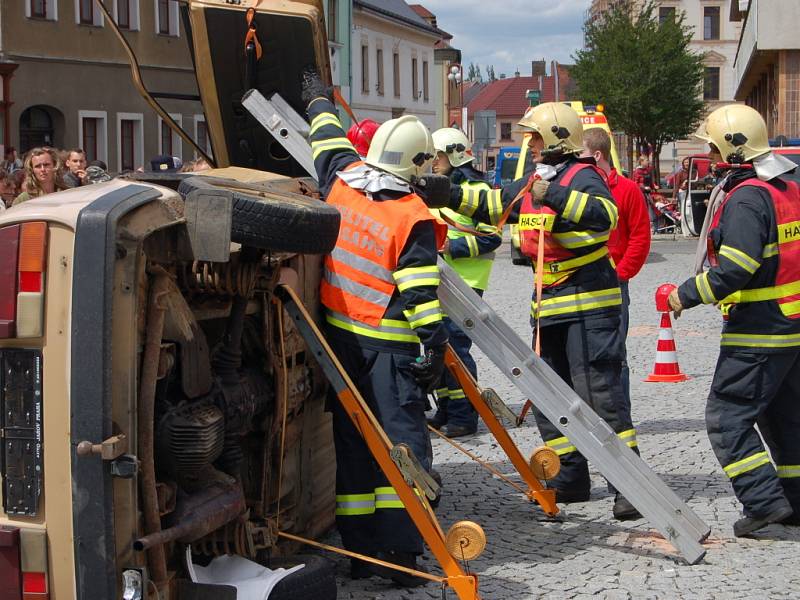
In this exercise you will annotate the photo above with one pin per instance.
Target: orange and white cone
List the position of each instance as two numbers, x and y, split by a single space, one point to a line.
666 369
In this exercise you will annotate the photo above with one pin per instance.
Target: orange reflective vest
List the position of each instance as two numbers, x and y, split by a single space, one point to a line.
555 254
786 290
358 281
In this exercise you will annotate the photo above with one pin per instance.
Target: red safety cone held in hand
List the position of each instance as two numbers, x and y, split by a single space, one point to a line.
666 369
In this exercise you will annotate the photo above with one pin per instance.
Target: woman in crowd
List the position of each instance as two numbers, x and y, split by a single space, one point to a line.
42 174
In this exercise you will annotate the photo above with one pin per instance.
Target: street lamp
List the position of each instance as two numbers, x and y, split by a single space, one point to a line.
456 76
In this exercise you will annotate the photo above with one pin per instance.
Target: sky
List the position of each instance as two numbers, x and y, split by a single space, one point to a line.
509 34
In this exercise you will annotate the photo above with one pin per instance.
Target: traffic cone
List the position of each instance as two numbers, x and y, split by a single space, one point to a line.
666 369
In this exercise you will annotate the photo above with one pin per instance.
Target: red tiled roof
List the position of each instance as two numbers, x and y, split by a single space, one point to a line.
507 96
422 11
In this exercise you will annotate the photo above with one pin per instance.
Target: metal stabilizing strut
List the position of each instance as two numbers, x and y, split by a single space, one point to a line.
573 417
478 398
464 584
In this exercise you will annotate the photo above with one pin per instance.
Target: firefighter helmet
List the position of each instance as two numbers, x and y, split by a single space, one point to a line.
558 124
402 147
738 131
454 144
361 134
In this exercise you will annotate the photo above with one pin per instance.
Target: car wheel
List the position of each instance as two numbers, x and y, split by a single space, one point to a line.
278 221
317 579
687 227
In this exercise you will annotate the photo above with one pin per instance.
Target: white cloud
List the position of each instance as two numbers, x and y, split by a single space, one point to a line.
509 34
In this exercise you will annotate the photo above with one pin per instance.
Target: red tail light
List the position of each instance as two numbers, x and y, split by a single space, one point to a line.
34 583
9 244
10 570
23 263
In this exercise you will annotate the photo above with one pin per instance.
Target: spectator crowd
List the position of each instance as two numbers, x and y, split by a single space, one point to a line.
44 170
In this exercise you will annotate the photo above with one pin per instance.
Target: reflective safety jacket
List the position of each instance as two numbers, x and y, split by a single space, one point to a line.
564 251
755 272
471 256
361 273
584 215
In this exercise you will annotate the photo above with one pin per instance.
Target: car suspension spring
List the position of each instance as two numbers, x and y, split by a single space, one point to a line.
223 279
234 538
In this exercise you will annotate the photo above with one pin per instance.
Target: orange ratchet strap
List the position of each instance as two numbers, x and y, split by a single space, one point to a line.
251 36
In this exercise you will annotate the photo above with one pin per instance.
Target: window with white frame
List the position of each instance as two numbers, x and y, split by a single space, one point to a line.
87 13
425 88
166 17
126 13
414 80
169 142
41 9
130 141
201 134
93 134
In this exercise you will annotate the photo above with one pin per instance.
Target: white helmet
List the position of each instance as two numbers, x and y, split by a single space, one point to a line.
738 131
402 147
558 124
454 144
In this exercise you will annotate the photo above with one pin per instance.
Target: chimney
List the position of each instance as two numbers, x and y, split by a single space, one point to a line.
516 73
538 68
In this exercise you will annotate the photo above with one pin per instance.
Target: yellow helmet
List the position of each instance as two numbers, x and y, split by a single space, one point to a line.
558 124
402 147
738 131
455 145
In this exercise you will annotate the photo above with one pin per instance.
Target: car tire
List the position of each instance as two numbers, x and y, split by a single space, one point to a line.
317 579
281 222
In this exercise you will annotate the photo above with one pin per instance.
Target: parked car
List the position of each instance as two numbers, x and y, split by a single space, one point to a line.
155 396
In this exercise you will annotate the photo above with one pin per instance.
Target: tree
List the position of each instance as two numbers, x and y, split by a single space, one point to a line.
644 73
490 73
478 76
471 72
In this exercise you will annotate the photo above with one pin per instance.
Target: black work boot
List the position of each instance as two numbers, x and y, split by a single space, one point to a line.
403 559
570 496
438 420
360 569
454 431
623 510
747 525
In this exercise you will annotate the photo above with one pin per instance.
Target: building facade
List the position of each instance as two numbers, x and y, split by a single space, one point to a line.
767 65
339 21
70 83
392 62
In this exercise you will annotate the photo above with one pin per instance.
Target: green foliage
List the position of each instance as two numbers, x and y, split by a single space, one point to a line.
644 73
490 73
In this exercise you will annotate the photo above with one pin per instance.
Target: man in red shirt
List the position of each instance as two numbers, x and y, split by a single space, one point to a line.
629 243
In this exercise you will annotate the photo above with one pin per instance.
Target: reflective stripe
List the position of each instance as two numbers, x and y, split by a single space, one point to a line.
442 393
770 250
456 394
323 119
739 258
611 209
355 504
494 205
386 497
752 340
330 144
579 261
767 293
576 202
416 277
469 201
422 314
362 264
388 329
788 471
704 289
354 288
472 245
629 437
579 239
746 464
561 446
578 302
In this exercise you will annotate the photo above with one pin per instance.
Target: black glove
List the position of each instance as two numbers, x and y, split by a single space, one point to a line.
428 369
312 87
433 189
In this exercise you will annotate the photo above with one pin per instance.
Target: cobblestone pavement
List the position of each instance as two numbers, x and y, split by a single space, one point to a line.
589 554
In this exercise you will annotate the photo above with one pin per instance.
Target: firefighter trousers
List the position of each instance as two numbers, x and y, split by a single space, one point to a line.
369 515
587 354
752 388
451 398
